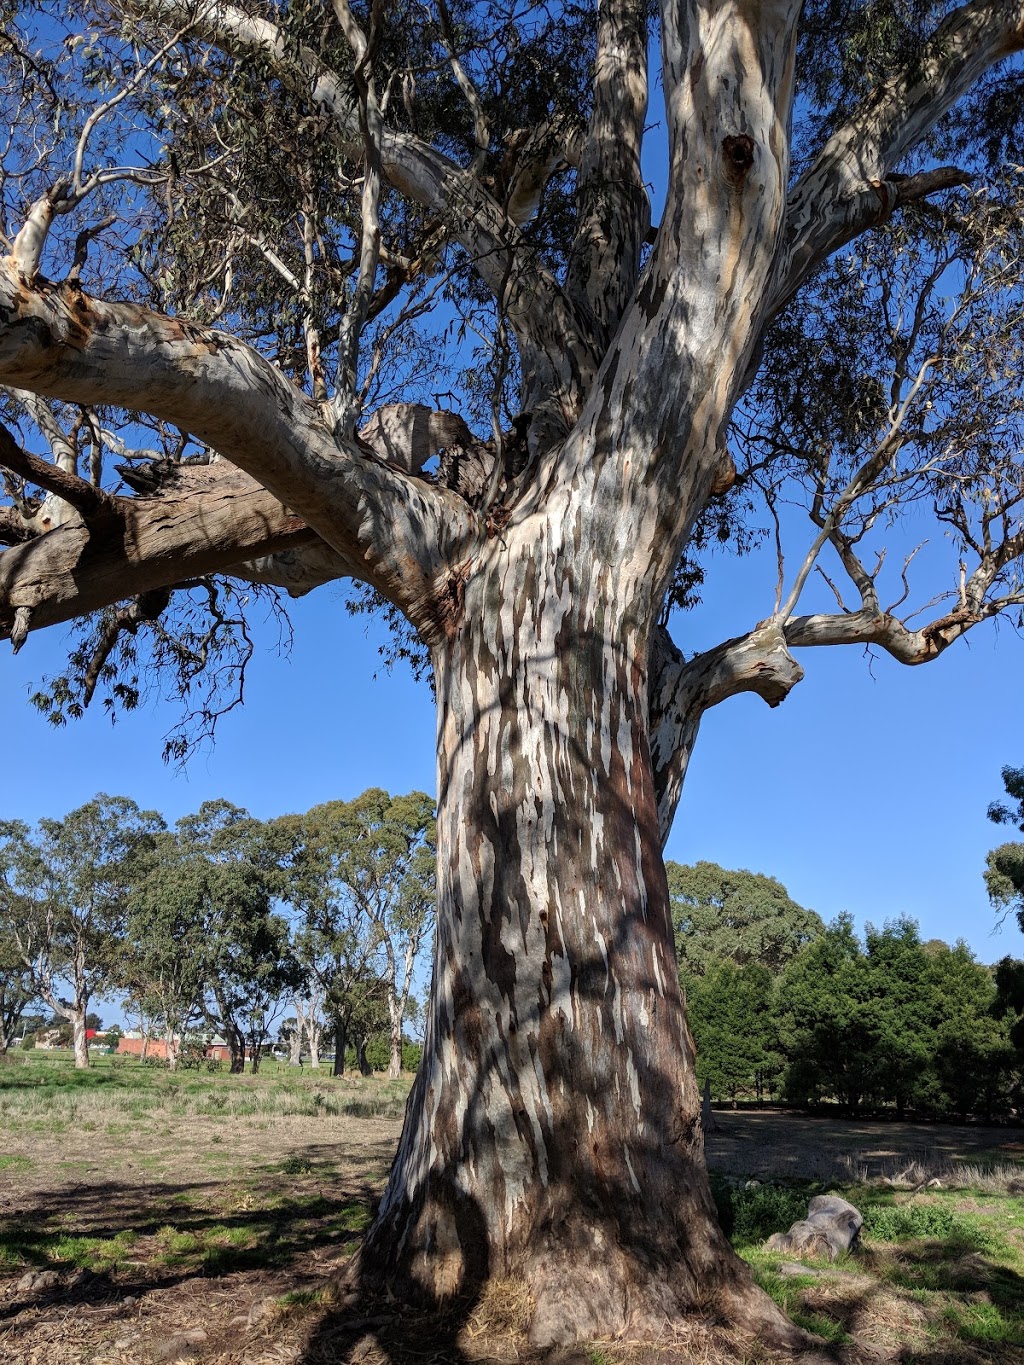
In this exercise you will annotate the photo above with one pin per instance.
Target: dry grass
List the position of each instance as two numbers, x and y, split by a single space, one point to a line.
227 1206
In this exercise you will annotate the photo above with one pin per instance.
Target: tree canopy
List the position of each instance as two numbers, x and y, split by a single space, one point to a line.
740 916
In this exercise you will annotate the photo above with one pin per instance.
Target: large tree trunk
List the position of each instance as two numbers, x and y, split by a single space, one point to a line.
236 1045
340 1044
553 1133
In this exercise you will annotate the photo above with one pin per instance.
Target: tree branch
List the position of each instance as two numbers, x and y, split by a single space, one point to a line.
557 358
82 496
210 518
614 213
849 188
681 690
402 532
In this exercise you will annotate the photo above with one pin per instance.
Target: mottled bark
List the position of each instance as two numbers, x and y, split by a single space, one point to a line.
79 1042
554 1126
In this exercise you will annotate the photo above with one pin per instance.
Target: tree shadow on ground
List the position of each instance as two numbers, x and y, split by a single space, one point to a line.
982 1320
134 1239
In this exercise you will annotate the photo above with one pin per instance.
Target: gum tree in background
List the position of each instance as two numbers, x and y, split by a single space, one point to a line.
362 875
1004 871
737 916
16 992
229 881
240 237
65 890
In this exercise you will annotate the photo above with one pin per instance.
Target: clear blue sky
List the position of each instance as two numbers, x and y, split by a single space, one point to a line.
865 791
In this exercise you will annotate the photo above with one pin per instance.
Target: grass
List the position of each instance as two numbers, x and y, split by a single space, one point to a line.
157 1178
942 1269
45 1094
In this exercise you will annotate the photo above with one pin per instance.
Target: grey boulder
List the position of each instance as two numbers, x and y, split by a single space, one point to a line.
831 1227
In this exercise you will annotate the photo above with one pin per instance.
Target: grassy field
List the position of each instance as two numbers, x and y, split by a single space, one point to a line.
148 1217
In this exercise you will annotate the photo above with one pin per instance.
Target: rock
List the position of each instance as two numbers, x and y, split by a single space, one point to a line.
36 1281
795 1268
260 1310
181 1345
752 1185
77 1279
831 1227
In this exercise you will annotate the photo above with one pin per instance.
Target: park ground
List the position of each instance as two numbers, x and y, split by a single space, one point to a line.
147 1218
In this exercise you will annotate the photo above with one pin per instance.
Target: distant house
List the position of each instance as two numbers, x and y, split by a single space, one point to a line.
133 1043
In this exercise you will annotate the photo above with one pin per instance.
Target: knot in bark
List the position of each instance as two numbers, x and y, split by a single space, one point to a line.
738 154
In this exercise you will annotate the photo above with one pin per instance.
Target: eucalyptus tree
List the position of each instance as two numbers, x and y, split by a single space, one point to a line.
362 874
735 916
16 990
66 888
1004 866
162 962
229 882
373 291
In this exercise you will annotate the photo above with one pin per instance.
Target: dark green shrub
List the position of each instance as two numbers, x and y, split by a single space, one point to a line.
903 1222
750 1215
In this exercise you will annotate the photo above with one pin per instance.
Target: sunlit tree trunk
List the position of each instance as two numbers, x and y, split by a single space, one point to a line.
80 1042
554 1128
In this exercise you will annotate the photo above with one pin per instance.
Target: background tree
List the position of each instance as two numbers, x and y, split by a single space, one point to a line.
67 887
163 959
732 1014
247 964
832 291
973 1049
16 992
736 916
1004 873
827 1027
363 872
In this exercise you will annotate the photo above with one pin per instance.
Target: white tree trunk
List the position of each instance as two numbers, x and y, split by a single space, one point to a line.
295 1042
554 1130
79 1041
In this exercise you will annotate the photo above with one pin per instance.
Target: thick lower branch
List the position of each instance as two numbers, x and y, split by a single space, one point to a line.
401 531
214 517
681 690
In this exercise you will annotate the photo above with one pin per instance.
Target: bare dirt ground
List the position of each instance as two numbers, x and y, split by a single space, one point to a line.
216 1240
771 1142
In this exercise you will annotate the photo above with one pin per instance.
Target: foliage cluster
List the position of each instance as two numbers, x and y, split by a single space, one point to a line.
219 925
782 1006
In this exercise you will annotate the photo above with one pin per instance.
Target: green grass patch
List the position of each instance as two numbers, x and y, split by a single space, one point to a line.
13 1162
984 1324
23 1244
750 1215
906 1222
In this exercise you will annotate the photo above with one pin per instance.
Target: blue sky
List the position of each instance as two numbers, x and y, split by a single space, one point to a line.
865 791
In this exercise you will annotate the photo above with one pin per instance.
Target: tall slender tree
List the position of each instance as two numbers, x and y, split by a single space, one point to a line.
307 206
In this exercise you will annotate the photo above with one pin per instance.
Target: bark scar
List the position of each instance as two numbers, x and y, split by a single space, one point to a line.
738 151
